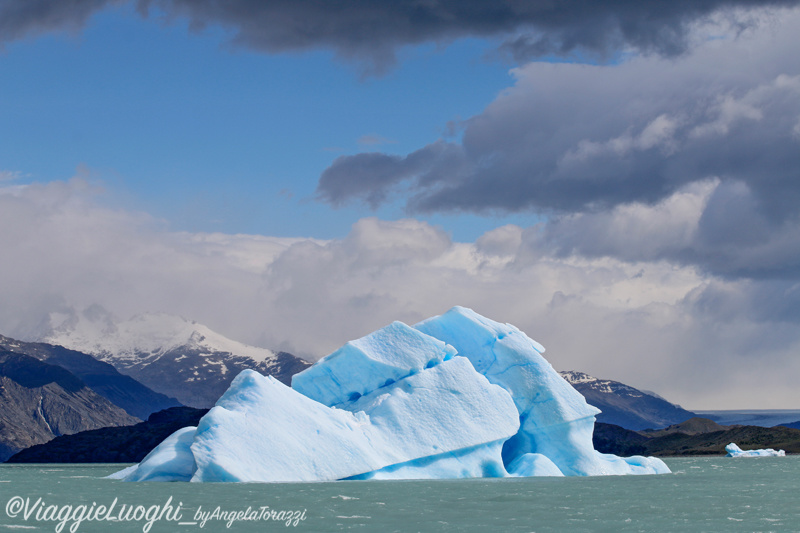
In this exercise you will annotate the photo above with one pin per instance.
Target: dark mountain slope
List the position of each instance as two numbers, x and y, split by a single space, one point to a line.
114 444
104 379
198 376
609 438
39 401
625 406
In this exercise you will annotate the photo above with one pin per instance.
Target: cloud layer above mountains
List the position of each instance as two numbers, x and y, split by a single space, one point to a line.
698 339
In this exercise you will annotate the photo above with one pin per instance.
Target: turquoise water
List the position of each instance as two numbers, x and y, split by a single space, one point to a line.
702 494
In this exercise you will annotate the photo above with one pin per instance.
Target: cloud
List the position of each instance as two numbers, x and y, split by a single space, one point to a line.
372 140
598 144
717 225
371 32
671 251
20 18
701 340
64 248
371 176
8 175
365 29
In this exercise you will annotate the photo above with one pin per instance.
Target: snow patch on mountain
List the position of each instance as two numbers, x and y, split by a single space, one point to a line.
624 405
143 338
606 386
169 354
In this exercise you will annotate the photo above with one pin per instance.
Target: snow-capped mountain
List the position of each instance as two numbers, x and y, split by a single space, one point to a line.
143 338
624 405
169 354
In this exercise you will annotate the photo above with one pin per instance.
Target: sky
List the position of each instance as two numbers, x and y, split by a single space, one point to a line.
619 180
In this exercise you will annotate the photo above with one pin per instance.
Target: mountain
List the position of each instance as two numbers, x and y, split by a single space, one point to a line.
625 406
127 444
169 354
766 418
693 426
123 391
690 439
39 401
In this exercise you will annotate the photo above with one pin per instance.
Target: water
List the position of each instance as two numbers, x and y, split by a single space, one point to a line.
702 494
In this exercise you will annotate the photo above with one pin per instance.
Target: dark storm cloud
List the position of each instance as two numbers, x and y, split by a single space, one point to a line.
19 18
576 137
370 176
372 31
606 150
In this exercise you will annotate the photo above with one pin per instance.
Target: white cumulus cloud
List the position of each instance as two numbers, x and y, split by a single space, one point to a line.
699 340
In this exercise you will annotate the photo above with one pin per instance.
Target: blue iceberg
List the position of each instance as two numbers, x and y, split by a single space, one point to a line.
172 460
455 396
361 366
555 420
734 451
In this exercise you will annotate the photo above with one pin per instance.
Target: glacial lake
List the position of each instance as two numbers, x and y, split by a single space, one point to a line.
702 494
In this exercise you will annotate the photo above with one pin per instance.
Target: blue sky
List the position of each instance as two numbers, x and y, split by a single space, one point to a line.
212 137
619 180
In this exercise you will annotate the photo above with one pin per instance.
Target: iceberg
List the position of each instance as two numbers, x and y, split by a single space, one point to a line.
532 465
455 396
734 451
172 460
555 420
262 430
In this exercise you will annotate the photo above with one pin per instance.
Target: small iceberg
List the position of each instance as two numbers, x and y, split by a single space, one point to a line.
734 451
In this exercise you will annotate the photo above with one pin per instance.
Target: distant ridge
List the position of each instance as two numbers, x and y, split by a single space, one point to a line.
112 444
625 406
609 438
693 426
753 417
